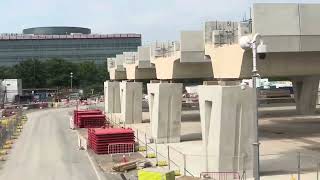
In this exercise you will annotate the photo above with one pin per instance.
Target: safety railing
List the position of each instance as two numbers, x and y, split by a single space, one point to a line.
220 175
120 148
10 127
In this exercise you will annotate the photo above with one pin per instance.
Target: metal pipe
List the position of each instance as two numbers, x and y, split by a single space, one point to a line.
184 165
169 157
155 143
255 76
318 166
71 76
299 165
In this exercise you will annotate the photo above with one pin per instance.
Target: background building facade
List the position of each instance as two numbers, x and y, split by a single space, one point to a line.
74 44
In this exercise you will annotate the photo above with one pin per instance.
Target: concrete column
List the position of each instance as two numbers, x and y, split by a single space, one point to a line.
227 115
165 103
111 97
131 102
305 94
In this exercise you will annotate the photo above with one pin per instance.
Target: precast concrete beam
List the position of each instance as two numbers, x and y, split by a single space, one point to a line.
134 72
186 63
232 62
131 102
291 38
227 115
305 94
111 97
116 74
172 68
165 104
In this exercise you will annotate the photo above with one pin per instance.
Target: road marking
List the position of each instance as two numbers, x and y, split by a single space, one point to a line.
93 166
91 162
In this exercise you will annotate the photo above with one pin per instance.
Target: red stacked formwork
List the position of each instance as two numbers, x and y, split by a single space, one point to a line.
99 139
91 121
77 113
85 112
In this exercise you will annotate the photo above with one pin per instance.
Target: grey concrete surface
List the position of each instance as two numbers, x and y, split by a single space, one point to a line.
227 118
131 102
165 101
47 150
112 96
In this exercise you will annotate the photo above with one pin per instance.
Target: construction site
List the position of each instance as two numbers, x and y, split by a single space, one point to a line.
232 101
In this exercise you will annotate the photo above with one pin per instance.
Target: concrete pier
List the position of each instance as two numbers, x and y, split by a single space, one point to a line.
165 103
131 102
111 97
227 114
305 94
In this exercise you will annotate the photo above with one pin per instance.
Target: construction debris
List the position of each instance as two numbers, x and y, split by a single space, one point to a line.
125 166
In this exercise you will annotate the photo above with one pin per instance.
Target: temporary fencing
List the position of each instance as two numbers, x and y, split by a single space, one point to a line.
220 175
10 128
119 148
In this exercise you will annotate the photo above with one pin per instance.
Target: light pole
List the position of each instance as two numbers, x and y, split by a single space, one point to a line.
71 76
255 76
247 43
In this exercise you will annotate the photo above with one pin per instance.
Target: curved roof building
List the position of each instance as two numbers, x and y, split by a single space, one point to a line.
57 30
75 44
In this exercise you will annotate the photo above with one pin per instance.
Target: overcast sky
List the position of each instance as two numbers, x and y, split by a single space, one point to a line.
154 19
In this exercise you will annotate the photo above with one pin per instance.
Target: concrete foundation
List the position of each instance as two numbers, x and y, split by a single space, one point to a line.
131 102
305 94
227 115
111 97
165 103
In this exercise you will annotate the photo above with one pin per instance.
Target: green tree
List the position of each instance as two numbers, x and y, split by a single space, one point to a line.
32 73
56 73
7 72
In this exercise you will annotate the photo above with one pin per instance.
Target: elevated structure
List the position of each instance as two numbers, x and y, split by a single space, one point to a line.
186 61
220 33
227 115
112 90
111 97
141 67
290 34
116 69
183 60
138 67
165 102
131 102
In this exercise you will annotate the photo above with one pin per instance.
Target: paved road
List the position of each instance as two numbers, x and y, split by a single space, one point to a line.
47 150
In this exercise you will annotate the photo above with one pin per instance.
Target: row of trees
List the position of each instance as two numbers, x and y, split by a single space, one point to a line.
55 73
